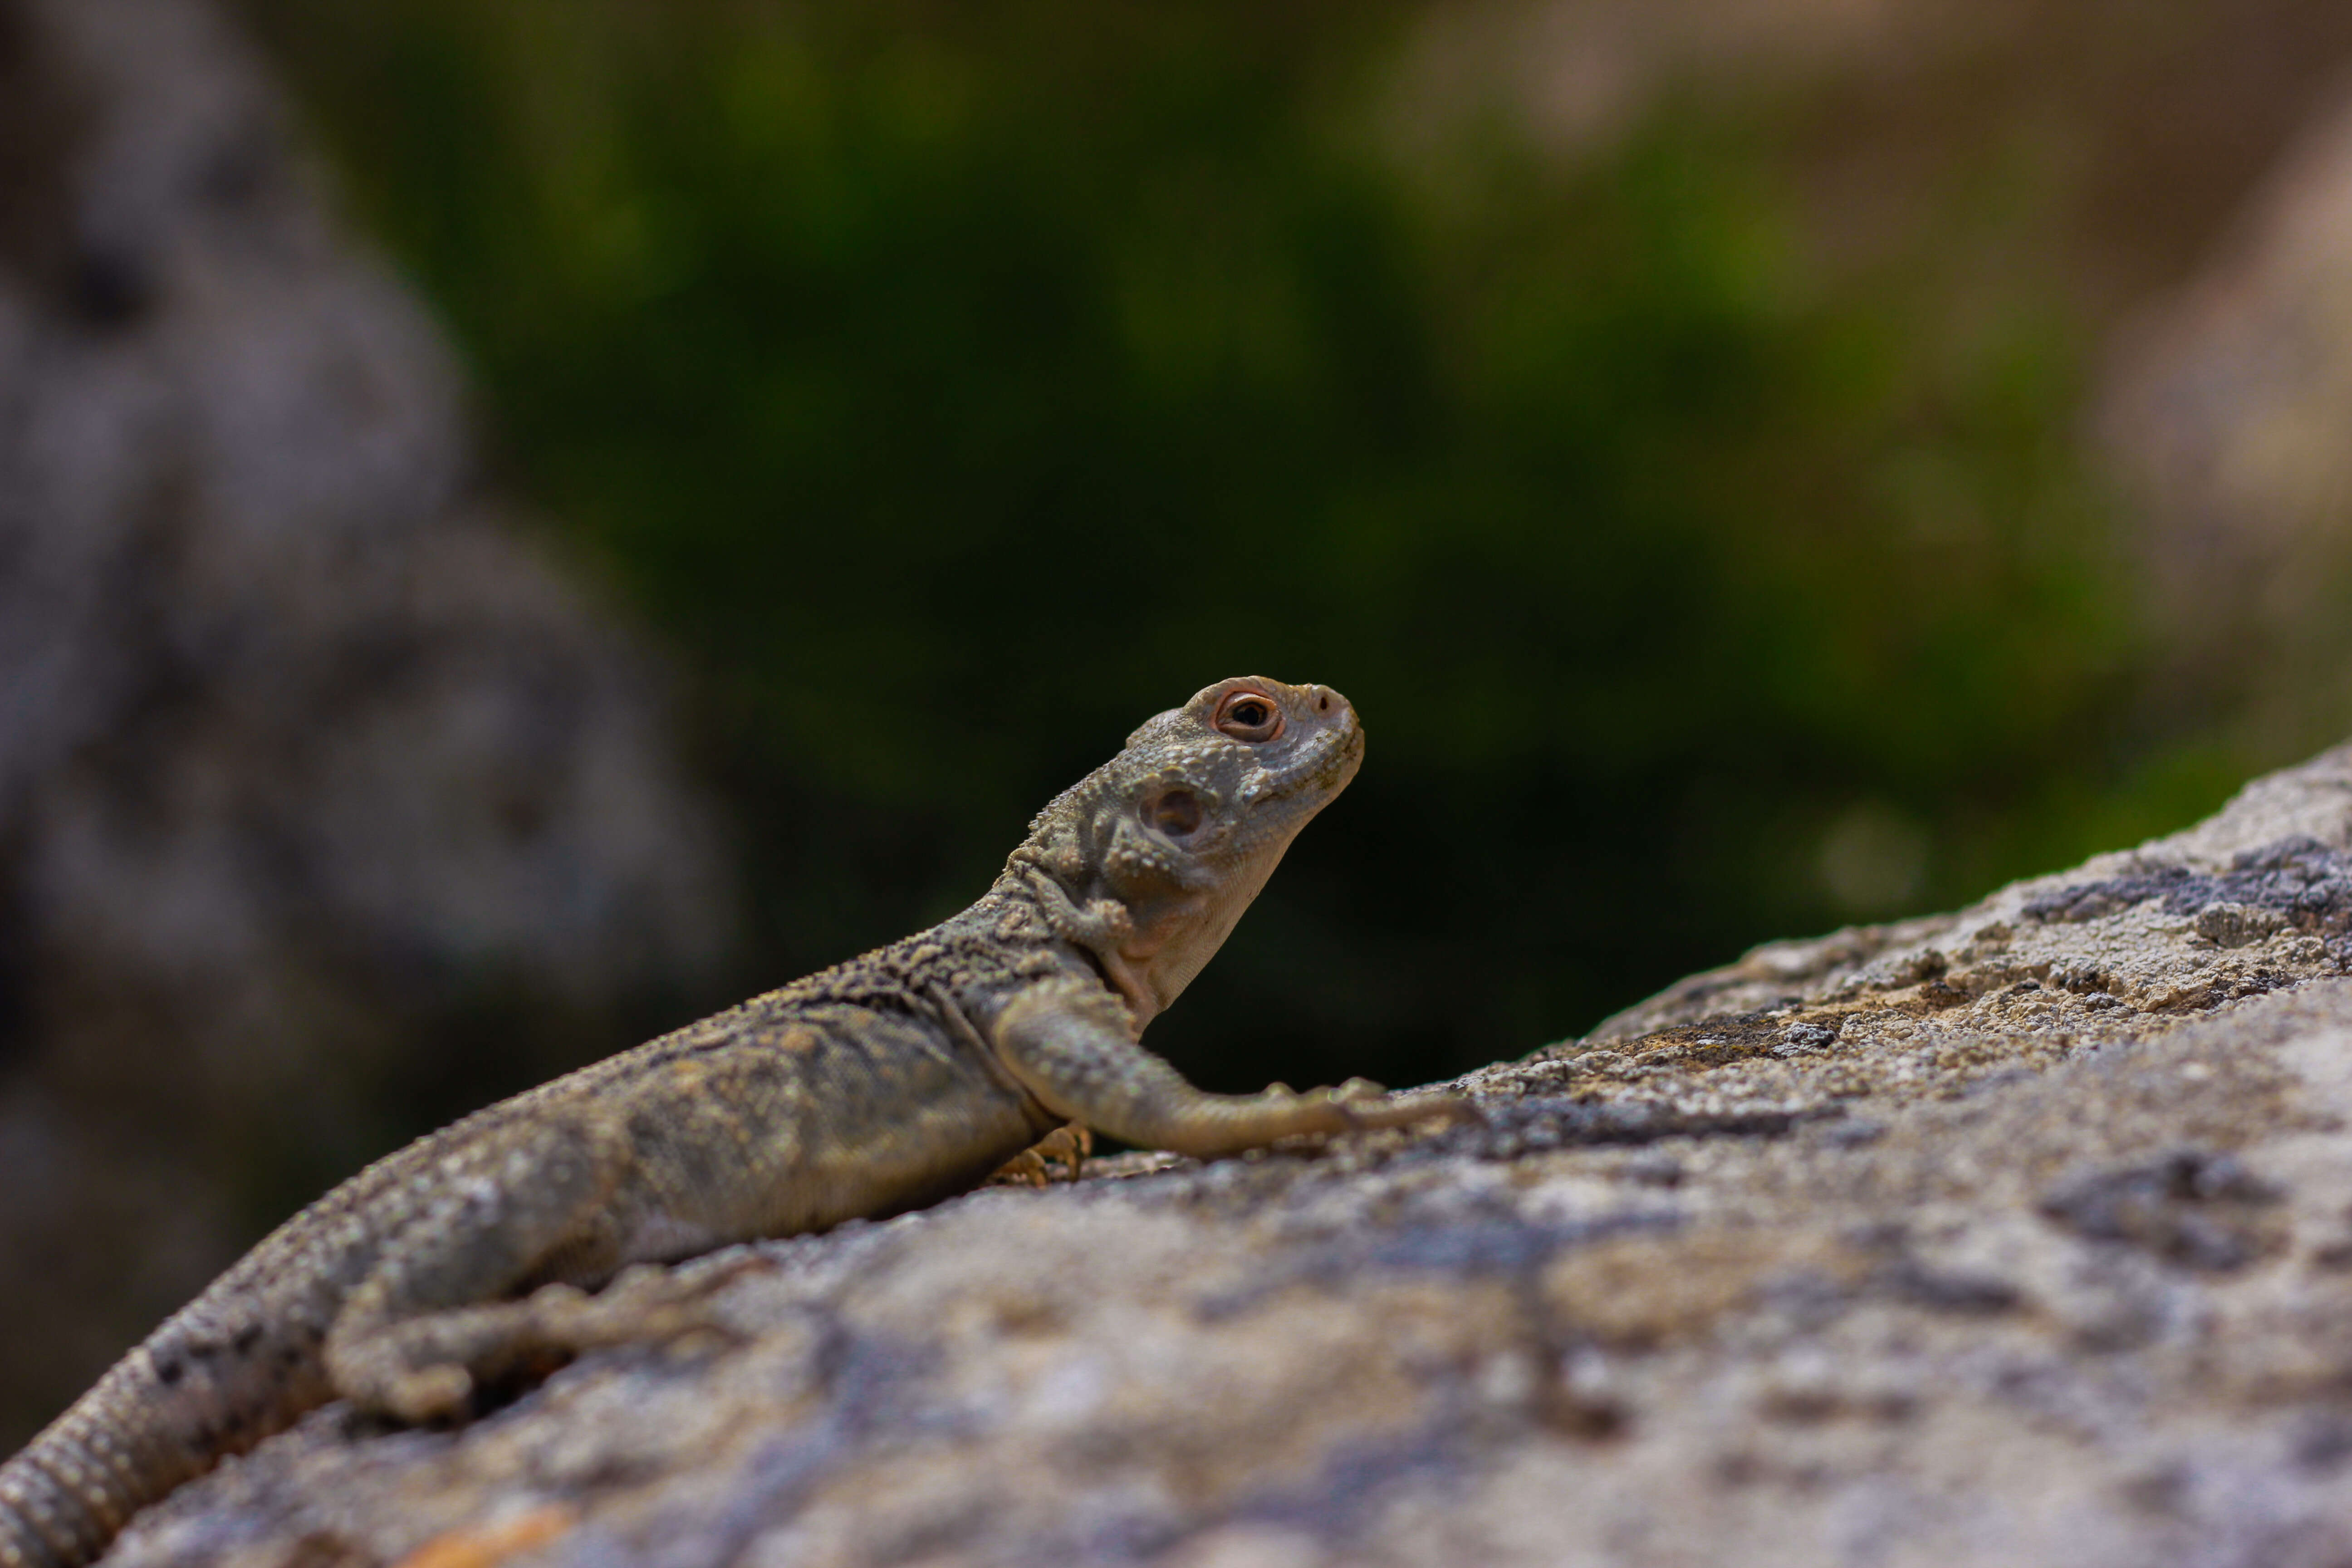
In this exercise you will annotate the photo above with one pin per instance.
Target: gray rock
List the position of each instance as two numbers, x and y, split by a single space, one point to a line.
1982 1274
303 745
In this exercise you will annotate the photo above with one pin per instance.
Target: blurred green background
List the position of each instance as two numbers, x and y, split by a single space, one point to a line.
950 388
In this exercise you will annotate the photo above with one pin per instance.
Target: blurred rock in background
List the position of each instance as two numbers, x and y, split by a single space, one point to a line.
317 773
2187 167
2229 409
2191 179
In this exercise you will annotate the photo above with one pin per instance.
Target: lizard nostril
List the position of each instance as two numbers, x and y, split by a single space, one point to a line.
1323 703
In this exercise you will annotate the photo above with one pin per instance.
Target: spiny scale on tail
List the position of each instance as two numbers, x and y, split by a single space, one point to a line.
883 1083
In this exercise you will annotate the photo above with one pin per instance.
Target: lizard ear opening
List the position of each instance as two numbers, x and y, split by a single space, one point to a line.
1175 812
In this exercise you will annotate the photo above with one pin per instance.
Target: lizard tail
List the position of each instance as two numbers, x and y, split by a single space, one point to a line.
160 1418
67 1495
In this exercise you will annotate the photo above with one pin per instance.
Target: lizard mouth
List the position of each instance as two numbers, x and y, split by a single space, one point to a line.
1323 765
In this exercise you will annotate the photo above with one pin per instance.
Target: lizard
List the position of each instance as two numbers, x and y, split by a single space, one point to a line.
883 1084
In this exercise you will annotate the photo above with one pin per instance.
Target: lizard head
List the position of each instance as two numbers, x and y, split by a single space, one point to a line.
1184 826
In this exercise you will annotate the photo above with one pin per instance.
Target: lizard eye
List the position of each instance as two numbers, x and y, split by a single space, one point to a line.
1248 716
1176 813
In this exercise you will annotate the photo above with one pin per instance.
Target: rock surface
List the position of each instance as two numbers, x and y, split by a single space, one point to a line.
303 749
2020 1234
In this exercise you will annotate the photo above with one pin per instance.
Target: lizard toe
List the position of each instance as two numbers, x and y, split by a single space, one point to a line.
429 1394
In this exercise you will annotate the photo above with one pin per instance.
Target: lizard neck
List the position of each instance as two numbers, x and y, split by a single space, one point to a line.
1089 925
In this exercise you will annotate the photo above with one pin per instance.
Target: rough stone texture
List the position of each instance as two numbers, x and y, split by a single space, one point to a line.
2019 1235
300 746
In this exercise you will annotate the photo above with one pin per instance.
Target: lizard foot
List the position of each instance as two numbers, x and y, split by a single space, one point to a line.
1066 1147
1364 1104
429 1368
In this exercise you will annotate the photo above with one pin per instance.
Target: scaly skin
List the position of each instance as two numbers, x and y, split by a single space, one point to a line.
877 1086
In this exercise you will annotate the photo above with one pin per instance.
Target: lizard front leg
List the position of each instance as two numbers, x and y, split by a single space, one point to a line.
1070 1043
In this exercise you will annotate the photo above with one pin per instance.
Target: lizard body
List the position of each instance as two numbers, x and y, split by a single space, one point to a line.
881 1084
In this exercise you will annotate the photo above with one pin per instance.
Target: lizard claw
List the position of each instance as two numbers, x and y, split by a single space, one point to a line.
1069 1146
1066 1149
1027 1169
